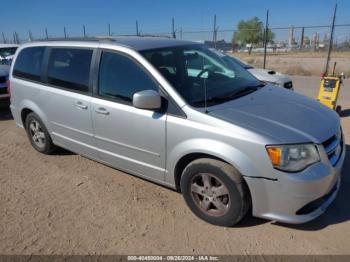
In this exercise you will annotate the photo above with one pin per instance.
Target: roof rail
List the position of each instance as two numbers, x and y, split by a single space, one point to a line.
96 38
72 39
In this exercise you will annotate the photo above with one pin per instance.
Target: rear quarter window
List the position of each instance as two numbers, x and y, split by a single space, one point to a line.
28 63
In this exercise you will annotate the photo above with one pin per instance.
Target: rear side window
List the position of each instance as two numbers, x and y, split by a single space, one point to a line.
28 63
121 77
70 68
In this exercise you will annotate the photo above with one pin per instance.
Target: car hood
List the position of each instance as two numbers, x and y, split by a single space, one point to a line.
280 115
4 70
269 75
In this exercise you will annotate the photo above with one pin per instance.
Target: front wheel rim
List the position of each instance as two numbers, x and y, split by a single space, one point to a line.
210 194
37 134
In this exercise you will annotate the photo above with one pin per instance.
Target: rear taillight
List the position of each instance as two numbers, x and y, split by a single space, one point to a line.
8 87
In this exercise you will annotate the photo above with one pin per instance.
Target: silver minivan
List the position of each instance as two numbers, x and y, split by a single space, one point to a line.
176 113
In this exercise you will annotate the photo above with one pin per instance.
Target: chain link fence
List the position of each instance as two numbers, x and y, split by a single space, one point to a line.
294 50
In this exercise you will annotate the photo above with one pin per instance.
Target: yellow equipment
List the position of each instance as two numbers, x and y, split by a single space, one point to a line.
329 91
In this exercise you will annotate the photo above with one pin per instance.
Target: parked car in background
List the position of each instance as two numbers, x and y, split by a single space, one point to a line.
4 75
7 52
265 75
176 113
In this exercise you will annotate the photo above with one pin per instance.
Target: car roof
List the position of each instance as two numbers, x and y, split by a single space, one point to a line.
137 43
144 43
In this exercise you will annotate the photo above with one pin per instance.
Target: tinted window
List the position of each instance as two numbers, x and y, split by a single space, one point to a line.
28 63
120 77
70 68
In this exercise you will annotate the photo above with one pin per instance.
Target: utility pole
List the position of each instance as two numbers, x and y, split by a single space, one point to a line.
331 41
3 38
137 28
84 32
215 32
265 38
65 32
173 28
302 38
109 29
47 35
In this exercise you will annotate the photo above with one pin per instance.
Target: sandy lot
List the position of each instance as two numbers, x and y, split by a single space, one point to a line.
307 63
67 204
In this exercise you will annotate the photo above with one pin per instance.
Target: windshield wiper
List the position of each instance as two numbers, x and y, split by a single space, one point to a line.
245 91
241 92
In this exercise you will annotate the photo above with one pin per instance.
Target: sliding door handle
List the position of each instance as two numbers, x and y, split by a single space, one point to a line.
102 111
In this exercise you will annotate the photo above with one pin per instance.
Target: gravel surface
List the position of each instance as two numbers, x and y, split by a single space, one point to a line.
67 204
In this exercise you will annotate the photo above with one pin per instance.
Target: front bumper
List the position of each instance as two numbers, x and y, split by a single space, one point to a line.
292 197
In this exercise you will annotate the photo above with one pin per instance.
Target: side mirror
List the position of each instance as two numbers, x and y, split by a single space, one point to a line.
147 99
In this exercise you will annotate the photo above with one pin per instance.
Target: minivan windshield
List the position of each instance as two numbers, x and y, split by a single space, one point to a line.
201 76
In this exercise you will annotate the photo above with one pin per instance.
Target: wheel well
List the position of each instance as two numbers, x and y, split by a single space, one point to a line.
24 114
185 160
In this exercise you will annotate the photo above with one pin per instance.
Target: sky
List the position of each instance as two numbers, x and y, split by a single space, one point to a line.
155 16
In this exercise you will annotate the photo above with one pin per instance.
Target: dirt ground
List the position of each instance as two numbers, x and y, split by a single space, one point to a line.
300 63
67 204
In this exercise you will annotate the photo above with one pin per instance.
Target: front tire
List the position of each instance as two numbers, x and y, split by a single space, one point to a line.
338 109
215 192
38 135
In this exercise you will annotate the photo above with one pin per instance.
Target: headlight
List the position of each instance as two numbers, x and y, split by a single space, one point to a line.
293 158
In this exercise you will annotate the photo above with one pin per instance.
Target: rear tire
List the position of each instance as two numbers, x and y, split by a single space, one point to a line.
38 135
215 191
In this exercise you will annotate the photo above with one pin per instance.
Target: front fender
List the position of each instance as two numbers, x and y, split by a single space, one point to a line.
214 148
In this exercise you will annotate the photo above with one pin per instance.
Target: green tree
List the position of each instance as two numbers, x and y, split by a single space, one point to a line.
251 32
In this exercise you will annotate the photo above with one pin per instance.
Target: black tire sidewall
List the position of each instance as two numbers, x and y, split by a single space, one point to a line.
234 213
48 143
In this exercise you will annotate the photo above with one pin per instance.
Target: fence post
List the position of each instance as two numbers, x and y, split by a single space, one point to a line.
265 38
109 29
173 28
3 38
302 38
84 32
47 35
331 40
30 35
16 38
137 28
65 32
214 32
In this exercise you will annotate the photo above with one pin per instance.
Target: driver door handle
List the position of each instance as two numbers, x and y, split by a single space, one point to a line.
102 111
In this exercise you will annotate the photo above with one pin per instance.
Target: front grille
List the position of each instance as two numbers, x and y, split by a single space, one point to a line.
333 147
2 79
288 85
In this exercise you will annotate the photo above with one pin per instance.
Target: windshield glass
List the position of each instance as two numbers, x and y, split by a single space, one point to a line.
7 51
200 75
